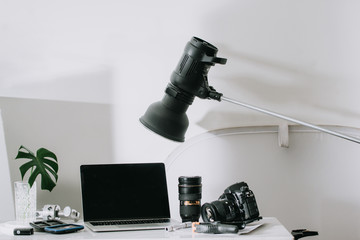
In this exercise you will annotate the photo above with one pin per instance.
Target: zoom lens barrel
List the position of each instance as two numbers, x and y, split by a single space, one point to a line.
218 211
190 198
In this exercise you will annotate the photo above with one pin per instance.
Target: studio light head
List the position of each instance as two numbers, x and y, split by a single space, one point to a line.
189 79
168 117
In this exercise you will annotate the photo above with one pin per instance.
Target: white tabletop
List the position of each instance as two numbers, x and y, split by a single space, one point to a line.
271 229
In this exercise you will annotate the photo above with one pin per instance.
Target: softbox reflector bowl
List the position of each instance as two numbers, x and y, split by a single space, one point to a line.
166 122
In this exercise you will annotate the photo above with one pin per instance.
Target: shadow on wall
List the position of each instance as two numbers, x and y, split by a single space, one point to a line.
89 85
275 56
78 133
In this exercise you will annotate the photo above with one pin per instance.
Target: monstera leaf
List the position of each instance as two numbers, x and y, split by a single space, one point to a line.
43 163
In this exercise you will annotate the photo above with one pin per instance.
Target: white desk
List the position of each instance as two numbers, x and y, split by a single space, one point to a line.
272 229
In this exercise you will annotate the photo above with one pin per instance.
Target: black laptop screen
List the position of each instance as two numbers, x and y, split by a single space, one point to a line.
124 191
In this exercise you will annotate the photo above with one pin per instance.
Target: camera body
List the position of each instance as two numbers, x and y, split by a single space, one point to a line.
237 205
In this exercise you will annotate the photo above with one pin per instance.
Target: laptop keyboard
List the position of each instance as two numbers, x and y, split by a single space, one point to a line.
122 222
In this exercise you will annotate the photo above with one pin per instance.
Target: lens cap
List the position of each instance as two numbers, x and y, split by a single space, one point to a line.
186 180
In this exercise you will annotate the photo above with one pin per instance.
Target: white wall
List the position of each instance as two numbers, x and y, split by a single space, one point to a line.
6 201
294 57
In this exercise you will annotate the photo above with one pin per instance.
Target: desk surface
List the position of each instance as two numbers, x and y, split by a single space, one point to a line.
271 229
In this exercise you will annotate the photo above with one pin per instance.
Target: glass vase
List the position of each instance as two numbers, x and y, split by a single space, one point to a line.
25 202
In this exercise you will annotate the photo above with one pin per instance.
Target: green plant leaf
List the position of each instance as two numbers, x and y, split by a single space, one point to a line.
44 164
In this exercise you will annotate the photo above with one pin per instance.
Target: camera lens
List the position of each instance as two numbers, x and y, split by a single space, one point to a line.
190 198
221 210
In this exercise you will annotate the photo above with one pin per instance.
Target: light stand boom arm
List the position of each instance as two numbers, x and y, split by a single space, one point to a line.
341 135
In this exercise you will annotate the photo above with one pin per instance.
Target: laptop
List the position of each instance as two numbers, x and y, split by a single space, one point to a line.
119 197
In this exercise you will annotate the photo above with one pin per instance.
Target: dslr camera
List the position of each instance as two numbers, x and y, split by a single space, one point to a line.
236 206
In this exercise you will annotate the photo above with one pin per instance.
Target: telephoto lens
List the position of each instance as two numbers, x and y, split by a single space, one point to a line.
190 198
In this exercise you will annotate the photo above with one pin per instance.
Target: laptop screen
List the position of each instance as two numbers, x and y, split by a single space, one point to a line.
124 191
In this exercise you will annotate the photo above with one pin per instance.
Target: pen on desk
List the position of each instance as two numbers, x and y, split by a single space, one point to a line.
179 226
